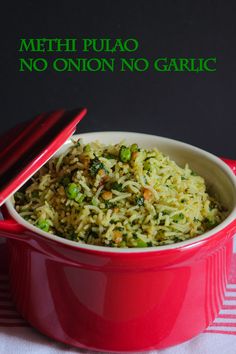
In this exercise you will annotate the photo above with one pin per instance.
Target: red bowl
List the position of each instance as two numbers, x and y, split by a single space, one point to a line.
124 299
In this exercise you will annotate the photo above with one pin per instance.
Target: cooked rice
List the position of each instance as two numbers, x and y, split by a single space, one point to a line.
91 194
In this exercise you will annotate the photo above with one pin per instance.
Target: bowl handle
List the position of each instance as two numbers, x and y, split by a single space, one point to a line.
230 163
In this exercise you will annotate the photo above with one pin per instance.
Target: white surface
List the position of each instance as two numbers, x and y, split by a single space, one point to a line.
17 341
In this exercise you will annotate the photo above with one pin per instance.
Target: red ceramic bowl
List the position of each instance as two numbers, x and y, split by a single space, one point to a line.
124 299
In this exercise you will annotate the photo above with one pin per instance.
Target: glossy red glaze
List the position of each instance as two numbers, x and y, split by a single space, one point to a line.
231 164
112 301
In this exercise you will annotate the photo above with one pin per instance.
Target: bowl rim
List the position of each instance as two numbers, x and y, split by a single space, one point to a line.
175 246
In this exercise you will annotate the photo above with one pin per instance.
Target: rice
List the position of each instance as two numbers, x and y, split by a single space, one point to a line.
118 196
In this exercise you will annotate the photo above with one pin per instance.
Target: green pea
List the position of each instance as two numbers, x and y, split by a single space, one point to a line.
72 190
124 154
87 148
134 147
122 244
141 243
43 224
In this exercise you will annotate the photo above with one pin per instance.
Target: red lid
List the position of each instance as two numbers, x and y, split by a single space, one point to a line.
28 146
